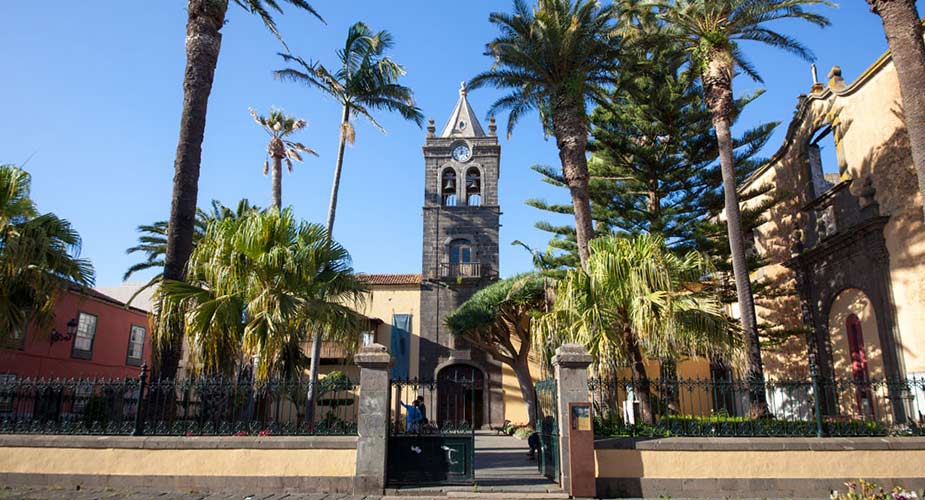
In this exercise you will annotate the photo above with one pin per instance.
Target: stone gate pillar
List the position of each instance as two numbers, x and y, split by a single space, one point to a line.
372 419
571 366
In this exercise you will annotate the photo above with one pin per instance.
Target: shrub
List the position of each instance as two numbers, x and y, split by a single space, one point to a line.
523 432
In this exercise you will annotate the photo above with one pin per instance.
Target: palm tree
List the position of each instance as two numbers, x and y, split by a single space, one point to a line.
39 256
365 80
555 58
205 19
279 126
255 283
711 31
152 240
903 28
637 300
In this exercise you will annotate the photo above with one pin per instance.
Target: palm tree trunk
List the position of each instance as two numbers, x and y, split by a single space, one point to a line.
335 185
205 19
570 127
332 211
904 33
641 385
277 179
717 81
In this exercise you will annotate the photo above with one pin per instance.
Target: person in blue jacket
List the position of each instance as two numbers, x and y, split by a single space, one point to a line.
413 419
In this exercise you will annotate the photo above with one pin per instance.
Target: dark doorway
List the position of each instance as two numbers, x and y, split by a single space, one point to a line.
461 397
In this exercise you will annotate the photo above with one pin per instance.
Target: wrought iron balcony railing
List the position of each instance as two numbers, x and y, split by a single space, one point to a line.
464 270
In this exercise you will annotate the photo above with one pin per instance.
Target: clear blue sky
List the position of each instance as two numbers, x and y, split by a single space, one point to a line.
91 96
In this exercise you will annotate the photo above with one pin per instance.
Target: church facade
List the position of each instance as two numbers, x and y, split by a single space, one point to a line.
846 241
460 255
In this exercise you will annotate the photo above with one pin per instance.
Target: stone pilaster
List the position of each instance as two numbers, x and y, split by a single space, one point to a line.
372 420
571 366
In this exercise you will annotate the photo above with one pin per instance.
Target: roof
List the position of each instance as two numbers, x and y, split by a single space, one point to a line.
391 279
144 300
95 294
463 122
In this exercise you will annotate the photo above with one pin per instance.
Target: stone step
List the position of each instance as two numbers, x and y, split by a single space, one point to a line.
481 494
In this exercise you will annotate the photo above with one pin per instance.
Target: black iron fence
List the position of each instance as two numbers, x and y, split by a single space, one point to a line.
187 407
449 405
709 407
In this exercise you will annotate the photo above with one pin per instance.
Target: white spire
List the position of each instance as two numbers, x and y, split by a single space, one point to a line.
462 122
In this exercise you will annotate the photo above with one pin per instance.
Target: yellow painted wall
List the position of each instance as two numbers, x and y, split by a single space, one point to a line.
173 462
383 302
708 464
874 144
515 409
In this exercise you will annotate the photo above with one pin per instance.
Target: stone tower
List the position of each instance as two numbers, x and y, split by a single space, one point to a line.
461 222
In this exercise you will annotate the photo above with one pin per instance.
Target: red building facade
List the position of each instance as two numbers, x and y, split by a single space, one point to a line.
105 339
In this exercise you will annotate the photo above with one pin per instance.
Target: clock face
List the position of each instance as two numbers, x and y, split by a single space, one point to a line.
462 153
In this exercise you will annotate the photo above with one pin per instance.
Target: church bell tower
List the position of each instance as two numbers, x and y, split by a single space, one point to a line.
461 223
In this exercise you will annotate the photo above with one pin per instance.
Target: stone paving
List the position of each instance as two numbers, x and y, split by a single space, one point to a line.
501 464
30 493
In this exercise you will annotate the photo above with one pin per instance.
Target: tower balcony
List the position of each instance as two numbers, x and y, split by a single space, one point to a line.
461 270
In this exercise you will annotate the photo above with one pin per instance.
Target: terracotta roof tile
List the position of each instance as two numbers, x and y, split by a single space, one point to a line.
391 279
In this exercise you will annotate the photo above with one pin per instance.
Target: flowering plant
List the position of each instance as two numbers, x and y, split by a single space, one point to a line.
863 490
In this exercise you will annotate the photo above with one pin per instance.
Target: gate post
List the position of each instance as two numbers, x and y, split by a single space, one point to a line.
372 419
576 448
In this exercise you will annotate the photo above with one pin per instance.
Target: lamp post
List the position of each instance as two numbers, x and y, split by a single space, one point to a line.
816 394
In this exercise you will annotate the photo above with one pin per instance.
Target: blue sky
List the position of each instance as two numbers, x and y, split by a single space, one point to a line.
91 94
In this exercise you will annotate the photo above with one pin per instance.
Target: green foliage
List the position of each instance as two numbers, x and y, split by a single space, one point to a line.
365 78
708 28
638 285
256 285
523 432
654 165
495 315
554 56
152 240
39 257
279 126
726 425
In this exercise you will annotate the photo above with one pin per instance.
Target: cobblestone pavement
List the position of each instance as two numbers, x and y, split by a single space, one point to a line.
30 493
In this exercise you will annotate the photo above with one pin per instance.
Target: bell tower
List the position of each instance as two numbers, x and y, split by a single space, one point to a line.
461 222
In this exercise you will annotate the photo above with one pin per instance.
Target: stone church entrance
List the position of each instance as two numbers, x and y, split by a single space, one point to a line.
461 405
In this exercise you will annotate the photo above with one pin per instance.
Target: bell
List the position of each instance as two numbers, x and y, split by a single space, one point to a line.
450 185
472 184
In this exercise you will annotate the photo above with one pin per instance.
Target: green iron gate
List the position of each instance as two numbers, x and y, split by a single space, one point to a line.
438 448
547 429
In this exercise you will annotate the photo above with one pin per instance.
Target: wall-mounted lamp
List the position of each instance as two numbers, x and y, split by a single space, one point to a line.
57 336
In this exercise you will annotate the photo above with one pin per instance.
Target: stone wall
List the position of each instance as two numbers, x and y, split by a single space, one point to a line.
803 468
297 464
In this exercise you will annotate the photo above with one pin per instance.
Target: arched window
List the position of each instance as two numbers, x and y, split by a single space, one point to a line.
825 162
448 188
473 187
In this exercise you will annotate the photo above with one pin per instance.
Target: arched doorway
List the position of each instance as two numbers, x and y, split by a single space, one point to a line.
860 374
460 397
856 354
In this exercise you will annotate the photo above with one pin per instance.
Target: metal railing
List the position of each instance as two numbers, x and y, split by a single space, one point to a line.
461 270
707 407
187 407
450 406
